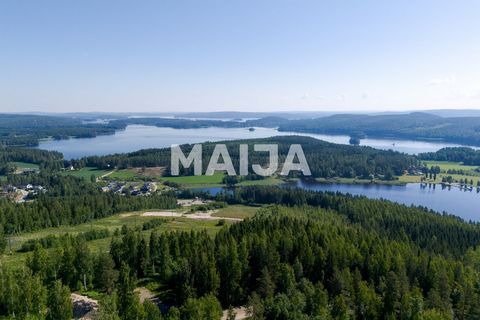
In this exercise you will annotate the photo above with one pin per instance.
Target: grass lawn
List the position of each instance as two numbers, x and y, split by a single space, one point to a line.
236 211
471 174
458 177
410 179
216 179
269 181
124 175
130 219
86 172
445 165
25 165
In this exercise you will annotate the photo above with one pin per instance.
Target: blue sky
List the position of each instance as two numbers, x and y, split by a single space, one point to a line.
102 55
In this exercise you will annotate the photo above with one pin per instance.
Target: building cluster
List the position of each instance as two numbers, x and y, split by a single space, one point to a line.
21 193
144 189
415 171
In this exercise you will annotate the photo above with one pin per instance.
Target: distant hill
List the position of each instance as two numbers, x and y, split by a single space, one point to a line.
416 125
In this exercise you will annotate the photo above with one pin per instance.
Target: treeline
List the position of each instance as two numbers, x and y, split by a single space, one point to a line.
26 130
48 211
417 126
50 160
468 156
52 241
297 262
325 159
68 200
443 234
57 184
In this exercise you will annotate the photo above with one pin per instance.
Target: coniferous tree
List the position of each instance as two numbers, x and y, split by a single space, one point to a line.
59 302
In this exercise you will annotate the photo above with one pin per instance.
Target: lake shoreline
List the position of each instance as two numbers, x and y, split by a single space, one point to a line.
137 137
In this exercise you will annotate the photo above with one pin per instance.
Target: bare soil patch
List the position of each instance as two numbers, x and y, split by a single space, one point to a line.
151 171
84 308
240 313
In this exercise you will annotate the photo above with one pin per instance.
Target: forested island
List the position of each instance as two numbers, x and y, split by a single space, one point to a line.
325 159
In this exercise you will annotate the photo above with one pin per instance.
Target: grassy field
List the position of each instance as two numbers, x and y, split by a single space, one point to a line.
130 219
86 172
470 173
25 165
445 166
187 181
270 181
359 181
125 175
236 211
215 179
410 179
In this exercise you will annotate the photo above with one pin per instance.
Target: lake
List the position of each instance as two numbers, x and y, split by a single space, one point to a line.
136 137
461 203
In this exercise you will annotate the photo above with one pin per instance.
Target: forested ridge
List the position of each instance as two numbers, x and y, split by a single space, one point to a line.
443 234
467 156
416 126
296 260
26 130
325 159
50 160
69 200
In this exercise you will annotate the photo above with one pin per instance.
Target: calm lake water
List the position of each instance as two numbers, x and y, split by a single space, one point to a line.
136 137
461 203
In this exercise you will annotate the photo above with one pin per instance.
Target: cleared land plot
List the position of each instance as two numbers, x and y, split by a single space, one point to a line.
25 165
136 174
236 211
216 179
87 172
470 173
445 166
270 181
124 175
130 219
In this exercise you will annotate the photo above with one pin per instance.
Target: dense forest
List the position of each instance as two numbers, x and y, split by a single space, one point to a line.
69 200
417 126
26 130
308 256
304 255
325 159
467 156
49 160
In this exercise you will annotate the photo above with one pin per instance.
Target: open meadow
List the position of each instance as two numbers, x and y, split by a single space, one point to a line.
131 220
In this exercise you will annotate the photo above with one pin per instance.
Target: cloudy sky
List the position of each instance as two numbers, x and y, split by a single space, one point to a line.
176 55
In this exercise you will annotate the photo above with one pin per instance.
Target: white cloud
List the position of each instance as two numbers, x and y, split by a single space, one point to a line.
442 81
464 95
305 96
